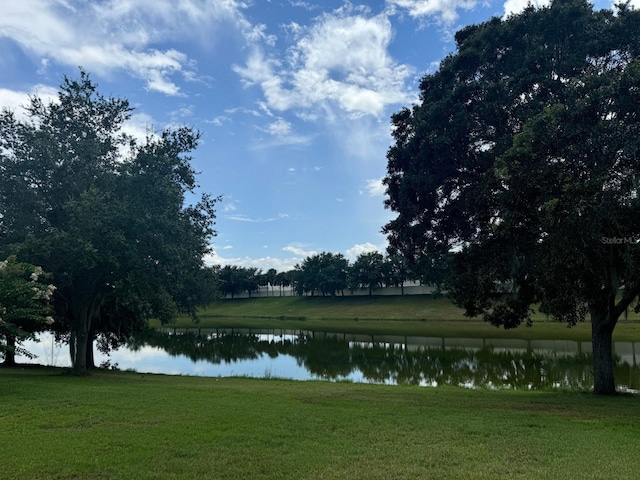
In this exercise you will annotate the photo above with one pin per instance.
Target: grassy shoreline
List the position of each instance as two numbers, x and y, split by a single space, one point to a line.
409 315
119 425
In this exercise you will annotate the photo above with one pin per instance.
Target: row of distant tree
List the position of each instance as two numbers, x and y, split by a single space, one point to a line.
321 274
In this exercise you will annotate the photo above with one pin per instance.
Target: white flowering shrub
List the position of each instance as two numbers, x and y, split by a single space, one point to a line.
25 306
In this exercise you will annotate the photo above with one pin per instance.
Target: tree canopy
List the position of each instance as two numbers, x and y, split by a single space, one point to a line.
103 213
234 280
370 270
522 158
324 272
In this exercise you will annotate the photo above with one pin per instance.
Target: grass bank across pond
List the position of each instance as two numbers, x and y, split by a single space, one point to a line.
119 425
418 315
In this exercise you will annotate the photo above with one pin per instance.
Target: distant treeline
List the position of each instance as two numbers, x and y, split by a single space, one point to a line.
326 274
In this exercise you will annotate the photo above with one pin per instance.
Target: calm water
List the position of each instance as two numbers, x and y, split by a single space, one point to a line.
306 355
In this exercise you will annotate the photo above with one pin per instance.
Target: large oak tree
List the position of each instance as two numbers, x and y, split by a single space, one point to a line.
104 214
523 157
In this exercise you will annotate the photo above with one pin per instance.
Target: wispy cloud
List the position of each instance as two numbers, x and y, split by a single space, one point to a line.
299 251
229 206
218 121
375 188
444 11
245 218
281 133
121 34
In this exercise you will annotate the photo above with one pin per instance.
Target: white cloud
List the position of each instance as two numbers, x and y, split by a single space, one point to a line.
279 128
245 218
282 133
119 34
340 61
445 11
139 22
241 218
299 251
218 121
229 206
513 7
264 263
183 112
298 254
306 5
375 187
16 100
139 126
354 252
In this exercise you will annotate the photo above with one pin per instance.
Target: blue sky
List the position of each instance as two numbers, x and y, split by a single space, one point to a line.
293 99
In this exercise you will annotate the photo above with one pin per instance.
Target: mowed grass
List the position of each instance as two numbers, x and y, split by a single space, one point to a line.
408 307
119 425
414 315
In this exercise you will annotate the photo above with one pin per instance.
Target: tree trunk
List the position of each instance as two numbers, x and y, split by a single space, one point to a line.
601 340
10 353
72 346
90 363
80 350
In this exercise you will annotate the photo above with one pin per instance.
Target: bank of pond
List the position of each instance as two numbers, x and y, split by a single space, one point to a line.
383 359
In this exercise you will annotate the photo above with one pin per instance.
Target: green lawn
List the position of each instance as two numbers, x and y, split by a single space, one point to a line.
118 425
121 425
408 307
419 315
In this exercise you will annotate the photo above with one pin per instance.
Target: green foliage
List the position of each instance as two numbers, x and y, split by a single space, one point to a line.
235 280
324 272
398 271
522 158
25 306
368 271
103 213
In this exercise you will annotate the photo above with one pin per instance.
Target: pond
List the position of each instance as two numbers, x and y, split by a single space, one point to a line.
386 359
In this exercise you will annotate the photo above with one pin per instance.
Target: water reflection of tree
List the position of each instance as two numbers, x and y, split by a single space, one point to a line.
331 357
228 347
328 358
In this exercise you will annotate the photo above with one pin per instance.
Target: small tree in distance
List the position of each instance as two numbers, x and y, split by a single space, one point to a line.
324 272
368 271
397 271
